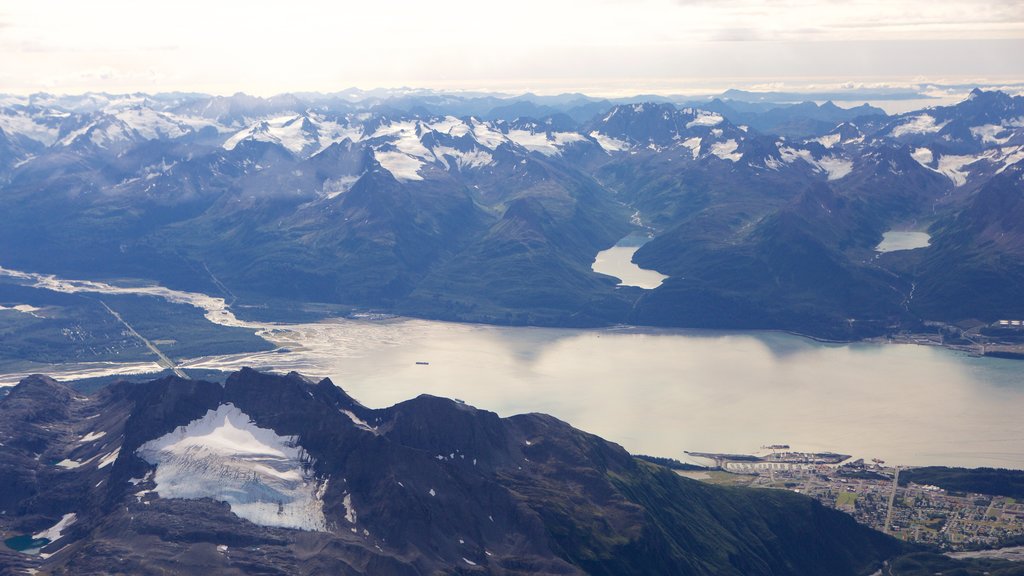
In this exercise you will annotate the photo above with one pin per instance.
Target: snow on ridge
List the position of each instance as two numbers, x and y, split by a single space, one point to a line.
704 118
265 478
474 158
923 156
359 422
727 150
23 308
25 125
401 165
297 133
350 512
152 125
92 436
609 143
952 166
547 143
835 167
923 124
450 125
333 187
693 144
109 458
988 134
828 140
486 135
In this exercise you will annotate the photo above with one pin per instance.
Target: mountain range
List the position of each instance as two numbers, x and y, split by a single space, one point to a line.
479 208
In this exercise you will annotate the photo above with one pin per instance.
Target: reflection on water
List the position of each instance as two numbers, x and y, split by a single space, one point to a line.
664 391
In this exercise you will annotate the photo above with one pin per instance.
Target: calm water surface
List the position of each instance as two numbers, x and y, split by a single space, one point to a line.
662 391
893 241
617 261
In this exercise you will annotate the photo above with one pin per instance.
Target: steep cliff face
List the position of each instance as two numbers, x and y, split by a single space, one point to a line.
277 474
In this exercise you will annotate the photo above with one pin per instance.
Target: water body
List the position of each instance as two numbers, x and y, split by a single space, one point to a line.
663 391
617 261
893 241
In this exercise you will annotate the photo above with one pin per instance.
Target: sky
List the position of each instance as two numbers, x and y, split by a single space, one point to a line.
601 47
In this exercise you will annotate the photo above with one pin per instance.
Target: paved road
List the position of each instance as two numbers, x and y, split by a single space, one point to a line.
892 500
162 358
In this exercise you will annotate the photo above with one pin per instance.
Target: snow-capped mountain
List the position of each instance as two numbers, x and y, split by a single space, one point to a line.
340 184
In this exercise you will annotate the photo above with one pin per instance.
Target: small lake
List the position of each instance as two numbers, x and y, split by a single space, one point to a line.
617 261
893 241
657 391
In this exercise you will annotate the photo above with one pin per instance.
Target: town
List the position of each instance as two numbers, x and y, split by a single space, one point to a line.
870 492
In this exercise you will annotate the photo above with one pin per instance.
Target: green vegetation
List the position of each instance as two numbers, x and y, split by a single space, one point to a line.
668 462
77 328
931 564
992 481
846 499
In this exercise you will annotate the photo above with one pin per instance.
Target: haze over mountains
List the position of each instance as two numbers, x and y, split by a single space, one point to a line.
484 209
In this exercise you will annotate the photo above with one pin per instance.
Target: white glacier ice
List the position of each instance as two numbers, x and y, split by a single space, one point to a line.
265 478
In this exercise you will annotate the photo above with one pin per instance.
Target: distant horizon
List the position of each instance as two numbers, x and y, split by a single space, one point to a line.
892 97
934 89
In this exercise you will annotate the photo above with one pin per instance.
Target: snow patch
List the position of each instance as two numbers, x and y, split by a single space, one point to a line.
23 308
92 436
835 167
350 512
359 422
923 124
705 119
608 143
487 136
828 140
109 458
402 166
53 533
264 478
693 144
450 125
727 150
923 156
547 143
153 125
474 158
989 134
337 186
24 124
952 166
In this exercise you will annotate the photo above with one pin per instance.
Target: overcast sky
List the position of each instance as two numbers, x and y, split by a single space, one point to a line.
595 46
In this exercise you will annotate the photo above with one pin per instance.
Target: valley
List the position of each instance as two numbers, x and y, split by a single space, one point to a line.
719 390
442 208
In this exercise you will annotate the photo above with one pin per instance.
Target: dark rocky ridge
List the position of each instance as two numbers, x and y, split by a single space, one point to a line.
522 495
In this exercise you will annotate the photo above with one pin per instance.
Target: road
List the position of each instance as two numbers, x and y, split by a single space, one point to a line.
892 500
162 358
